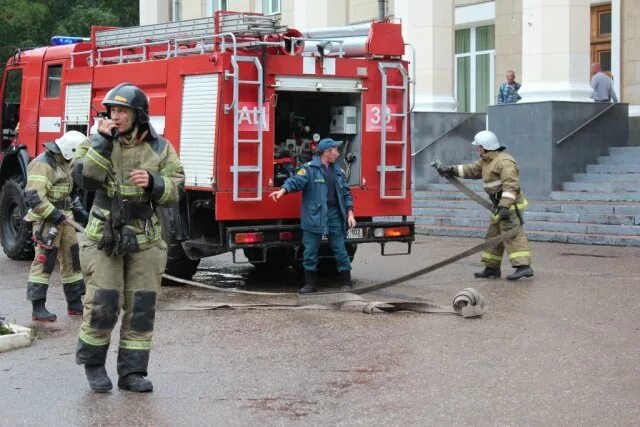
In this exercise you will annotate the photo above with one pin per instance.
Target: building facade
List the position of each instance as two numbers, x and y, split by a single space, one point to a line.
464 47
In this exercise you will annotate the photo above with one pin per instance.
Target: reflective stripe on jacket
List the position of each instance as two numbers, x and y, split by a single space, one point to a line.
110 176
500 176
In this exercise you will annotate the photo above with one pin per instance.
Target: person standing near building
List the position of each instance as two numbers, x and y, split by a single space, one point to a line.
133 170
508 92
47 192
501 177
327 208
602 85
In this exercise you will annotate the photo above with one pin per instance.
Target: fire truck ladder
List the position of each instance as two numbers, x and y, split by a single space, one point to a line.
386 115
258 113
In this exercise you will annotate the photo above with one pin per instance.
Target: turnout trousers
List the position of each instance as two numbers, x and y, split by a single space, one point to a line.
131 283
66 252
336 236
517 247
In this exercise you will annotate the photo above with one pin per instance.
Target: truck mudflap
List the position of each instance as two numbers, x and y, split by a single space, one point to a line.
265 237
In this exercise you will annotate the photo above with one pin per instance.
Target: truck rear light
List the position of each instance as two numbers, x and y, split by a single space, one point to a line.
397 232
378 232
285 235
249 237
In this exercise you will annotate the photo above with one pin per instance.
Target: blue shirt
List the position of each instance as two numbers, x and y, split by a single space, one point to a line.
508 94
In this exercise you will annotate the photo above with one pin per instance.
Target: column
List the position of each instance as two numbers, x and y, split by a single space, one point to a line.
154 11
428 26
555 50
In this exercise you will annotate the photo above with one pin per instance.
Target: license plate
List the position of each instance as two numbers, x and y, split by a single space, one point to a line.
352 233
355 233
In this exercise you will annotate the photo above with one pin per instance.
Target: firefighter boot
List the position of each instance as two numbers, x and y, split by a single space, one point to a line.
488 273
74 308
41 313
73 292
345 280
98 379
310 279
521 271
135 382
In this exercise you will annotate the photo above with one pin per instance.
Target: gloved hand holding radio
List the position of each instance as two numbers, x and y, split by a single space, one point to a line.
128 241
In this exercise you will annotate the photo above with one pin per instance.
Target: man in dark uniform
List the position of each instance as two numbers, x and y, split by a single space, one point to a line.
327 208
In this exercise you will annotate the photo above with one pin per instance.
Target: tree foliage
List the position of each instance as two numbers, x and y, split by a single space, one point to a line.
32 23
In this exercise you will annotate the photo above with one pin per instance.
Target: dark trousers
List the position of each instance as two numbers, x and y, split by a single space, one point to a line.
336 235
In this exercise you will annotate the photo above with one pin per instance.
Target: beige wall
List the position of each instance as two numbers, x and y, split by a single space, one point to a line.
469 2
630 55
508 39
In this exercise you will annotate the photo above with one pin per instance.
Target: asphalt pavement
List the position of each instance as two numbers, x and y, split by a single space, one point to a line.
559 349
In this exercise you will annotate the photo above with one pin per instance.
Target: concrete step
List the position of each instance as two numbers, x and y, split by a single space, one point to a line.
626 208
476 186
443 195
552 226
618 159
607 177
593 196
610 219
536 236
601 187
614 169
632 151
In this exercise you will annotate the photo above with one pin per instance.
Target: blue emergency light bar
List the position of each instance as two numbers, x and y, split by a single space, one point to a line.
62 40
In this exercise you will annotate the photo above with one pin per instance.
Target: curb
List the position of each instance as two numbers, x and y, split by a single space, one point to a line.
21 337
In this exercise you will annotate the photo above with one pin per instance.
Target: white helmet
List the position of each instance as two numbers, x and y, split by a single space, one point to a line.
68 142
487 140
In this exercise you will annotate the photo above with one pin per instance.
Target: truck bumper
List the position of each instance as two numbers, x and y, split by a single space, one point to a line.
265 237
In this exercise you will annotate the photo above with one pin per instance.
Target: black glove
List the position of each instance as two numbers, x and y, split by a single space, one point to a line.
79 214
446 171
108 239
128 241
503 213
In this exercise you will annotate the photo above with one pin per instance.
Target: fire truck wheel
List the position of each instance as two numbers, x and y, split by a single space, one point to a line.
178 264
14 232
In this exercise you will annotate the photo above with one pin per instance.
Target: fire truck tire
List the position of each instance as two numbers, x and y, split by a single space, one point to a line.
15 233
178 264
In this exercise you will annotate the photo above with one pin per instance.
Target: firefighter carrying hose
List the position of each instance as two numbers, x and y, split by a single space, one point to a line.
327 208
123 256
500 174
47 193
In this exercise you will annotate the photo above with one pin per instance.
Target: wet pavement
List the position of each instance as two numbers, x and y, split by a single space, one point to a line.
561 348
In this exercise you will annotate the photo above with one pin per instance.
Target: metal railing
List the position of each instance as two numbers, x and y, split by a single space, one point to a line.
585 124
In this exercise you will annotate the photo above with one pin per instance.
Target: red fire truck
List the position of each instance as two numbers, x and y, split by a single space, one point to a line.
244 100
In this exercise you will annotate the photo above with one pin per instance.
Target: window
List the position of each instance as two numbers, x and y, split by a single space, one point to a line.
54 76
11 101
270 7
215 5
475 64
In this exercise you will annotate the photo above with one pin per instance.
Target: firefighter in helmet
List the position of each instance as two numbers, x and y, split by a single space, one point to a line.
47 192
500 174
327 208
133 170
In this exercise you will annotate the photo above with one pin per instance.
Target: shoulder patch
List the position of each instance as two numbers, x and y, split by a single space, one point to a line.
301 172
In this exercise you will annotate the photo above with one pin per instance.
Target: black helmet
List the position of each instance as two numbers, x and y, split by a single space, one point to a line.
128 95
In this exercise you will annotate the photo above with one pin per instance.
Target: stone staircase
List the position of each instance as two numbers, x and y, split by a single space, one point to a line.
600 207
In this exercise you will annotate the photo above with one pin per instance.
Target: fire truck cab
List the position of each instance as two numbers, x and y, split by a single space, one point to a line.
244 100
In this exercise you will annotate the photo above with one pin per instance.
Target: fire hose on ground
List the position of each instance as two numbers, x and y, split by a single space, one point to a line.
466 303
